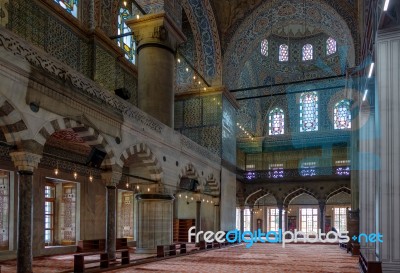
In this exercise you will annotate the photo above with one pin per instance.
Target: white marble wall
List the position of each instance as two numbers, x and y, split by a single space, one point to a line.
388 195
366 173
228 200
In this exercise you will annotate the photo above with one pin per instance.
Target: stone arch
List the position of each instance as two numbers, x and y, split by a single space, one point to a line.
207 43
12 123
337 190
265 195
147 158
189 172
90 135
296 192
254 196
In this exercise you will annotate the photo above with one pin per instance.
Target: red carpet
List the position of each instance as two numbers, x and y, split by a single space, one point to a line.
268 258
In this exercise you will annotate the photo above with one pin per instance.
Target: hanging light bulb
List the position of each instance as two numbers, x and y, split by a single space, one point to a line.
179 60
148 189
91 177
75 175
56 169
187 69
137 16
137 187
125 3
179 195
127 185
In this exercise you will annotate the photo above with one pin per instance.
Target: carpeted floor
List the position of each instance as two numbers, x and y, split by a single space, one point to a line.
268 258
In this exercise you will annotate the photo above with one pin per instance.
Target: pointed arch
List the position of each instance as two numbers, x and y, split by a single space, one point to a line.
12 123
88 134
295 193
337 190
147 160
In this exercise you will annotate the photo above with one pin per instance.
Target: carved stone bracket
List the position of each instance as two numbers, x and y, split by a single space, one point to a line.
112 178
25 161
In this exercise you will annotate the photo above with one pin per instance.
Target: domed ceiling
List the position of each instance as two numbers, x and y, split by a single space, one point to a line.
294 23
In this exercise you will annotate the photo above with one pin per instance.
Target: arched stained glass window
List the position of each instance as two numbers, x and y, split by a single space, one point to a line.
126 43
283 53
307 52
264 47
276 120
342 115
308 112
330 46
69 5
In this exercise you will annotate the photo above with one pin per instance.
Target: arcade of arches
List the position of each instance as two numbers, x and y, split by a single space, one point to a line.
138 119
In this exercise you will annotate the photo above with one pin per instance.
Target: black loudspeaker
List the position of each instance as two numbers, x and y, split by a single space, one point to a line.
188 184
95 158
123 93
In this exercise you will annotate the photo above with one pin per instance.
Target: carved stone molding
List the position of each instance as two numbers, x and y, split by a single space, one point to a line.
112 178
25 161
50 65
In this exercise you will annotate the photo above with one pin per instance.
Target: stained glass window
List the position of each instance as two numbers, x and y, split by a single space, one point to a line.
309 112
342 115
69 5
127 43
275 171
330 46
276 122
264 47
308 169
307 52
342 167
283 53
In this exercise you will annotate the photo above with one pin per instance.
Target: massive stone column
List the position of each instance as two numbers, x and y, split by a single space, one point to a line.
154 217
367 172
251 208
388 192
112 178
198 215
280 208
242 219
158 37
322 204
216 214
26 163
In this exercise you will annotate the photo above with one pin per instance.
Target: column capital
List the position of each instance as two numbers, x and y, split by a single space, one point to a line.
111 178
25 161
216 201
157 29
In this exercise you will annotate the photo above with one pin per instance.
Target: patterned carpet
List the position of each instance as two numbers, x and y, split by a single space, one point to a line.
268 258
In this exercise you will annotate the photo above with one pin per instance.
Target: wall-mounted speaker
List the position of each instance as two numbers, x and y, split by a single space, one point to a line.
95 158
123 93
